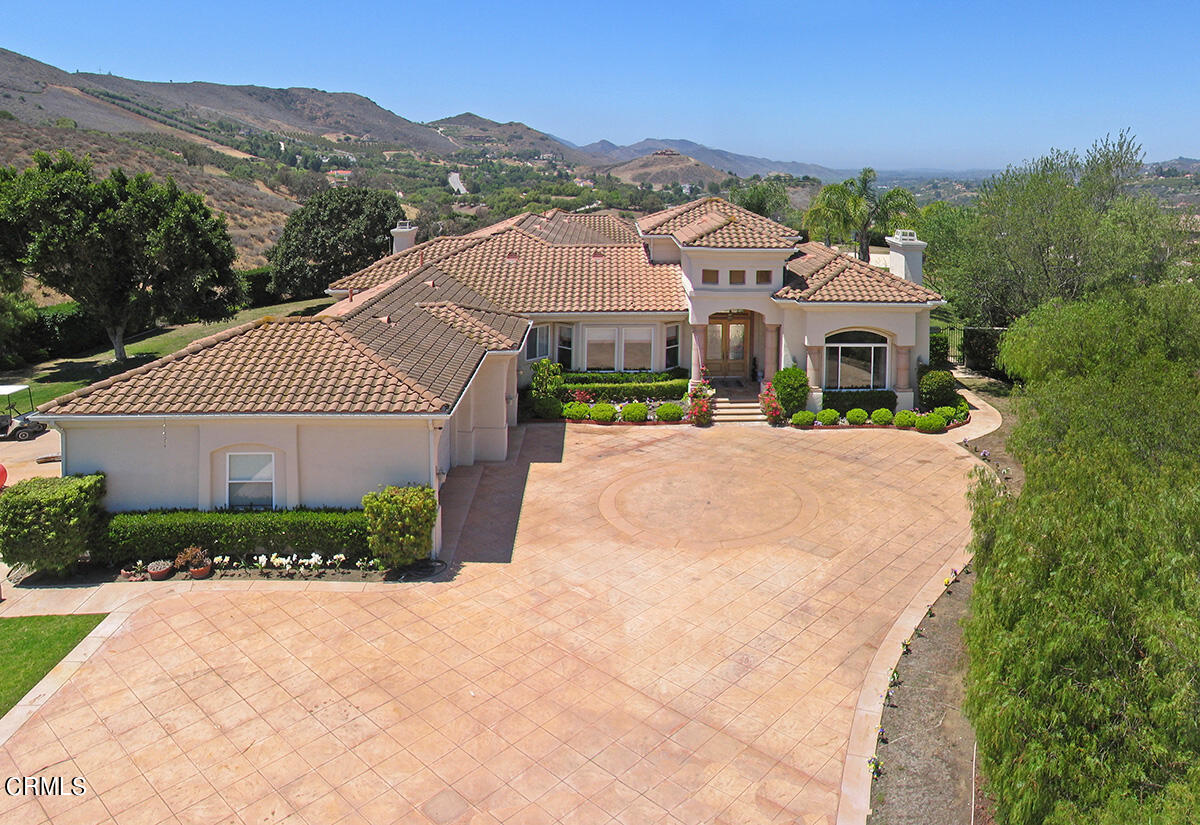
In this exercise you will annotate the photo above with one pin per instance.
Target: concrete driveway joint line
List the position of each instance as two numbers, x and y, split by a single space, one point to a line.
619 639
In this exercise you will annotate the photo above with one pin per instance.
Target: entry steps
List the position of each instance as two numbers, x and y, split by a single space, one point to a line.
737 410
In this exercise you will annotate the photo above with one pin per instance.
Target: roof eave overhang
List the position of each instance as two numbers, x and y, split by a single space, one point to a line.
891 304
53 418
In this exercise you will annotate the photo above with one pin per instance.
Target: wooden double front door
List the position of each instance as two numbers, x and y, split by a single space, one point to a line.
726 353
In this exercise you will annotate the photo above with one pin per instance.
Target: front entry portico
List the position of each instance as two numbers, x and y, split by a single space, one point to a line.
727 345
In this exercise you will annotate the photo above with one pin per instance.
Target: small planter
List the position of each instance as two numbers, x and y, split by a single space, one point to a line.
201 572
159 570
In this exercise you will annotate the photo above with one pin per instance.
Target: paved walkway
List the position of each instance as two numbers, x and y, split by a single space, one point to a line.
20 457
642 625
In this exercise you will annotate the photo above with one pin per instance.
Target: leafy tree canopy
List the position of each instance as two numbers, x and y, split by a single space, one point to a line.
857 205
768 198
336 233
129 250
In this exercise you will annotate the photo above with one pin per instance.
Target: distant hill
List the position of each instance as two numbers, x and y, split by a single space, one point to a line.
40 94
1181 164
470 131
255 217
741 165
664 167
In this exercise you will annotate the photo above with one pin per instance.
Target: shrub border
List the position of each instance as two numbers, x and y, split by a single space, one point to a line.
869 426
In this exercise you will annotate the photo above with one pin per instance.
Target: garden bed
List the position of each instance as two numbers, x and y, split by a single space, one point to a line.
953 425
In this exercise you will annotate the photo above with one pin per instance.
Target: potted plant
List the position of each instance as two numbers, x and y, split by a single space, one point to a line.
159 570
195 561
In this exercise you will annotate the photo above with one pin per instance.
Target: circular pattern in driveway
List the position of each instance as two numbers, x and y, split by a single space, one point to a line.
703 502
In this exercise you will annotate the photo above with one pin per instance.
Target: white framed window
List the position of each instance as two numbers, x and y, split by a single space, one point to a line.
672 346
856 360
636 344
600 348
566 345
251 481
537 345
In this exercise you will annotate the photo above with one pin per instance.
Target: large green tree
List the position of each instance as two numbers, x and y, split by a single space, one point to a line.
768 198
1061 226
336 233
857 204
128 249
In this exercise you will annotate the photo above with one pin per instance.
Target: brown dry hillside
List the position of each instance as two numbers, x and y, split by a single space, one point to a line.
665 167
255 217
470 131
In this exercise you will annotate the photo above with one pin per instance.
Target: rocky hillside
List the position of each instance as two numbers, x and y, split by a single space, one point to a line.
665 167
255 217
470 131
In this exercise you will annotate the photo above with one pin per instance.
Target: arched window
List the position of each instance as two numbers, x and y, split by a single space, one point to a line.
856 360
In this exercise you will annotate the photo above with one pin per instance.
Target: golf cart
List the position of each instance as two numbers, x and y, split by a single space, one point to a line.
15 424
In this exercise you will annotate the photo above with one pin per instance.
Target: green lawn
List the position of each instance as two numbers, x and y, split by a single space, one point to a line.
31 645
55 378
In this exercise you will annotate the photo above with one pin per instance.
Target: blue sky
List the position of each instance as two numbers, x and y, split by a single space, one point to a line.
930 84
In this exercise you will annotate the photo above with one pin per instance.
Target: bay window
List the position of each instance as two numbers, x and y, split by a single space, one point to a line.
856 360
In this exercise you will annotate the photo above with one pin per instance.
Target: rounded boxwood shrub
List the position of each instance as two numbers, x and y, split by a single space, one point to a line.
604 412
804 418
963 411
937 389
905 418
635 411
931 423
946 412
791 389
828 417
857 416
882 417
669 411
547 406
575 411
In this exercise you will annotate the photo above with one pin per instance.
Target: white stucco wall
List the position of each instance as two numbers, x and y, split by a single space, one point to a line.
479 424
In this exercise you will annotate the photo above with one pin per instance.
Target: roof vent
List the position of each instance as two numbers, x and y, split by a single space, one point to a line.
432 284
511 256
905 235
387 319
599 253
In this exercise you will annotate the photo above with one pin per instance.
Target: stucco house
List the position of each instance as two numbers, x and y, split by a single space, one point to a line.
417 368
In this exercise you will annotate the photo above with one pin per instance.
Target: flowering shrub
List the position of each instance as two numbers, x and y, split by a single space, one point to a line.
768 402
700 404
827 418
583 396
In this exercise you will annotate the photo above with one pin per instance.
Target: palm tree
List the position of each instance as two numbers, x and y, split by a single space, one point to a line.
856 205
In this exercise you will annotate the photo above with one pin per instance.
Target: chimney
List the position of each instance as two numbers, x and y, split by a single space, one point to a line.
403 236
907 255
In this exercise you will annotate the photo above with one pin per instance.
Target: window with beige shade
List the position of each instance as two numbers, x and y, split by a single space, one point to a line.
709 276
737 277
762 276
635 347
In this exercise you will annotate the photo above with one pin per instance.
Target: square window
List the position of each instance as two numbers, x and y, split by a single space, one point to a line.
737 277
601 348
762 276
708 276
635 348
251 481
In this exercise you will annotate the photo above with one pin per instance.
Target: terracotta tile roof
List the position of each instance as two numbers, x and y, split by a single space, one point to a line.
558 227
717 223
525 274
818 274
402 263
286 365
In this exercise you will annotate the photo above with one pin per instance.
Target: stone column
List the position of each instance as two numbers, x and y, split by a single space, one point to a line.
903 369
816 367
699 351
771 361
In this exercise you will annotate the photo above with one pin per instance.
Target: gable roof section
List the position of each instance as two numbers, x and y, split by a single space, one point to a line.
818 274
402 263
286 365
558 227
715 223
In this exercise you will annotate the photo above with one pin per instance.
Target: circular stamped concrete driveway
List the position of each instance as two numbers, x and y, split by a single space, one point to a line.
643 625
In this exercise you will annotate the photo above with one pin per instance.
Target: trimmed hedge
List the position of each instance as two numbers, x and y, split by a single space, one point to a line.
828 417
905 418
629 391
673 374
161 534
547 406
882 416
635 412
947 413
931 423
576 411
857 416
604 413
939 349
791 389
937 388
668 412
400 523
804 418
50 523
845 400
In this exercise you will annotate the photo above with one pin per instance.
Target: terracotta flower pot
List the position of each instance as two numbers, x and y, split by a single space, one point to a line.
158 575
201 572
